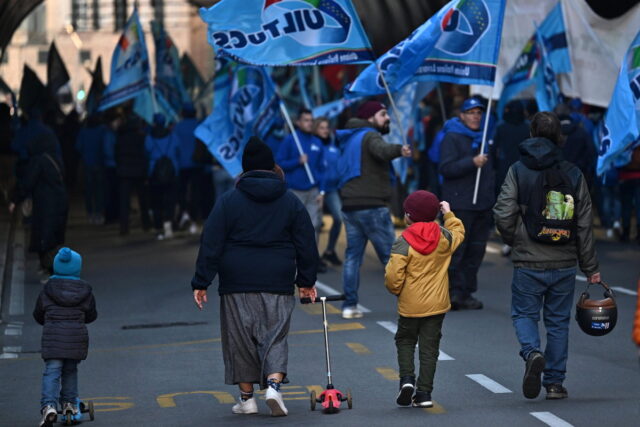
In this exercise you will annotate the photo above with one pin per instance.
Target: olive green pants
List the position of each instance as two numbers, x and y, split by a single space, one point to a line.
426 332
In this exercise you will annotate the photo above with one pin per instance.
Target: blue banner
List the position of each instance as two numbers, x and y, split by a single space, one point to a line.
622 122
129 66
302 85
522 73
459 44
169 80
144 107
287 32
247 105
547 91
334 108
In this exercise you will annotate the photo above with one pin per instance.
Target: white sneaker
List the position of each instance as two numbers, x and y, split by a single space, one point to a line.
193 228
351 313
275 403
246 407
168 232
49 416
610 233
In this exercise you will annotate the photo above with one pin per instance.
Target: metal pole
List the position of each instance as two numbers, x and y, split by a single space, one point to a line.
393 104
484 140
326 339
285 113
441 99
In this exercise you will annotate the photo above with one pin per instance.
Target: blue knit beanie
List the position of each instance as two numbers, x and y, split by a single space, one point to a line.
67 263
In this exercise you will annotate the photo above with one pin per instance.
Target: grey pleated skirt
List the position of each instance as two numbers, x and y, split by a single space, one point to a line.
254 329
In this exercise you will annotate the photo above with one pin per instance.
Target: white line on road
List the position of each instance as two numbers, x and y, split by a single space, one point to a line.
11 349
393 328
14 328
551 420
8 356
488 383
624 290
329 290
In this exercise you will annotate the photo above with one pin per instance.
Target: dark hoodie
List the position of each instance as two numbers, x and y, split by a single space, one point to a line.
64 306
258 238
538 154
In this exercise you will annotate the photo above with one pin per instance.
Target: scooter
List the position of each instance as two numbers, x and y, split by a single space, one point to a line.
331 397
67 418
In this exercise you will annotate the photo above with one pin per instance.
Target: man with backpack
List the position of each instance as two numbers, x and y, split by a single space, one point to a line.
544 212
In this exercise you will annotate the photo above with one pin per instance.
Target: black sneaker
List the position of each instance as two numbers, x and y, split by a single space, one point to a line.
556 391
332 258
422 399
322 267
407 388
531 383
471 304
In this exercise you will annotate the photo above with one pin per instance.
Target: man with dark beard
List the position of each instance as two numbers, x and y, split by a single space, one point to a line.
365 190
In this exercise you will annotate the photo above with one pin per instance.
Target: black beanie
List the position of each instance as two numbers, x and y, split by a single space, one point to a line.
257 156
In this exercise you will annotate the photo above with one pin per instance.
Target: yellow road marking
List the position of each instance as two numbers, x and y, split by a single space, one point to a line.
317 309
358 348
437 409
168 400
388 373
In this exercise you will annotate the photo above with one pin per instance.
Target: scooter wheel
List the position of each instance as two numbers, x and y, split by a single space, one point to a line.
313 400
349 399
68 419
91 411
331 409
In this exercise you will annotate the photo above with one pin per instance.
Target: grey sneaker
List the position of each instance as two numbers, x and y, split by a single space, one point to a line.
49 416
407 388
531 382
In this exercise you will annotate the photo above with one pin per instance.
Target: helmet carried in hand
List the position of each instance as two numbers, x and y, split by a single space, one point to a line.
597 317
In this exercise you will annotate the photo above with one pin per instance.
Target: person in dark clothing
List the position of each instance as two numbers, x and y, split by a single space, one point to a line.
131 167
190 172
111 199
70 128
578 147
43 181
460 159
509 133
63 307
263 225
89 142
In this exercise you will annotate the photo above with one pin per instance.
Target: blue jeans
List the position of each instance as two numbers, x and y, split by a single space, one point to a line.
333 203
552 292
364 225
57 371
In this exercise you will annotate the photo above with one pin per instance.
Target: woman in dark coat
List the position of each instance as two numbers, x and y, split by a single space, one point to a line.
43 181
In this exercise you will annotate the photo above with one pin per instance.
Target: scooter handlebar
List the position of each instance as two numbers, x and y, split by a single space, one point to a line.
329 298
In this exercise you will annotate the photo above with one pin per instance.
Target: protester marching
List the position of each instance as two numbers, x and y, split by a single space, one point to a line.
467 132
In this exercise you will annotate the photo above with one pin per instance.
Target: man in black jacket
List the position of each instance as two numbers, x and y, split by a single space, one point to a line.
460 159
260 239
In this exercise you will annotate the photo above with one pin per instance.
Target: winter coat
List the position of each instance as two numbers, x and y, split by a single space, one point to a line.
417 271
162 142
89 143
331 158
288 158
372 188
184 131
131 157
459 174
511 132
43 180
538 154
63 307
258 238
578 148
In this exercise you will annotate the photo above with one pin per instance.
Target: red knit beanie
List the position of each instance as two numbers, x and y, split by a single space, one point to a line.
369 109
421 206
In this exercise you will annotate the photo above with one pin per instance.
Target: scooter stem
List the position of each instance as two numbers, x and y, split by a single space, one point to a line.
326 338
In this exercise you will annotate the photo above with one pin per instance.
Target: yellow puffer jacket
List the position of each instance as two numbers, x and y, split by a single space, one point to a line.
636 323
417 269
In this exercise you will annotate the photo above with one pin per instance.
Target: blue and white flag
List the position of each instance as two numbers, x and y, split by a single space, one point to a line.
459 44
334 108
547 91
622 122
287 32
169 80
144 107
302 85
522 73
244 108
129 66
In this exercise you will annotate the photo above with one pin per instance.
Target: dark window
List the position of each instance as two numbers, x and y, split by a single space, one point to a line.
43 55
120 14
96 14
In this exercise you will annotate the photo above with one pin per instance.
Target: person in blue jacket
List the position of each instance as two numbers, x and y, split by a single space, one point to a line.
163 150
190 172
89 144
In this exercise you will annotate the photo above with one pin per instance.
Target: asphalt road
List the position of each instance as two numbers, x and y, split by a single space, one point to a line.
156 360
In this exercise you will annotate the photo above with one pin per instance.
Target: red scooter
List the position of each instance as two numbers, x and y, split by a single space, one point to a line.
331 397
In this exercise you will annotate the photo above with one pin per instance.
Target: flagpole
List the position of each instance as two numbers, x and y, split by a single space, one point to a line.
285 113
441 100
393 104
484 140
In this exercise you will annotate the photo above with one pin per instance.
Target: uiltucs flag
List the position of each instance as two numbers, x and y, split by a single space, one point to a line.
287 32
459 44
547 91
622 123
334 108
246 104
129 66
169 80
522 73
57 75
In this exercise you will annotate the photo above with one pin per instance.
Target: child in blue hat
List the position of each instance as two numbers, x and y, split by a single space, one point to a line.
64 306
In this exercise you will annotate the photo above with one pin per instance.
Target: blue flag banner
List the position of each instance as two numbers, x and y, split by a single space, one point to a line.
129 66
287 32
522 73
169 80
143 107
622 122
459 44
302 84
547 91
246 106
334 108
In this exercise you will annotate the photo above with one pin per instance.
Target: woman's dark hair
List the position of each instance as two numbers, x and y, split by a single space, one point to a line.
546 124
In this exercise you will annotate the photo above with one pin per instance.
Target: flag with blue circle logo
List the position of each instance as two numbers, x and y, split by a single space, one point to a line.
287 32
169 80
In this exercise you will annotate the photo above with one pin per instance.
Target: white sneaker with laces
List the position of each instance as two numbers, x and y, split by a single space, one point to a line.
49 416
168 231
275 403
351 313
246 407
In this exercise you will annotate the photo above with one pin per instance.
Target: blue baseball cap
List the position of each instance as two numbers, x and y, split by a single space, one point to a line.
471 103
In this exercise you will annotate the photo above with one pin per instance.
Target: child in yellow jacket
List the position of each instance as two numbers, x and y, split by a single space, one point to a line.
417 274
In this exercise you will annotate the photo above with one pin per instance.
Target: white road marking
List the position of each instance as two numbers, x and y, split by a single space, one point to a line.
11 349
8 356
14 328
330 291
551 420
581 278
488 383
624 290
393 328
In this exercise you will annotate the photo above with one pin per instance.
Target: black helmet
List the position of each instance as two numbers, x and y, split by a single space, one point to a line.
597 317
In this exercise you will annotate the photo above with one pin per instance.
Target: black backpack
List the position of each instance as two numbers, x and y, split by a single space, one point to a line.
550 215
163 171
